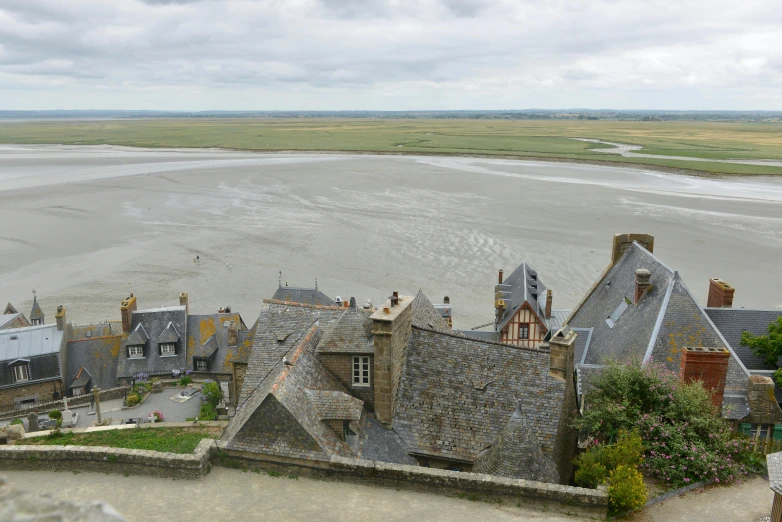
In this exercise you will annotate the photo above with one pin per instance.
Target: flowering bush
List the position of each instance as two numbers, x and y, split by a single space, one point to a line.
141 377
158 416
132 399
211 392
627 490
599 460
684 438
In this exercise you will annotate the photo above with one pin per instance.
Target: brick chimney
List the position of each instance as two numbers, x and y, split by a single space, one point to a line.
549 299
391 327
60 318
709 365
623 241
642 276
183 301
126 310
720 294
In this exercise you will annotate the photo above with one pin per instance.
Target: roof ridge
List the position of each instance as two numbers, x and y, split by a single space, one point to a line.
475 340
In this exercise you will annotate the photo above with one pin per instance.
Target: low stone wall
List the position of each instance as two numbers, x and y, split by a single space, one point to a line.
423 479
108 460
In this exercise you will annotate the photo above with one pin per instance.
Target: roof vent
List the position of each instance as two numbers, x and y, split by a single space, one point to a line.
338 300
88 334
14 337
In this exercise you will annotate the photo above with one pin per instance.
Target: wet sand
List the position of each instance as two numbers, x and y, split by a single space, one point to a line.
85 226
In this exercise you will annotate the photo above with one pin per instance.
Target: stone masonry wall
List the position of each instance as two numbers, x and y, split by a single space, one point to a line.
341 366
390 342
108 460
40 390
79 400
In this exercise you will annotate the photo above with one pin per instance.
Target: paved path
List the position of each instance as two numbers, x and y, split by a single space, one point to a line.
233 495
737 503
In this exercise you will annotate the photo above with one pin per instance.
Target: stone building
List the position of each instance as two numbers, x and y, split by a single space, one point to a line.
93 352
11 318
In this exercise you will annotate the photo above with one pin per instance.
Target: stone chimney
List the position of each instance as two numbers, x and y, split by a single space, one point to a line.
709 365
642 276
562 350
549 299
720 294
184 302
623 241
233 332
391 327
763 407
353 302
126 310
60 317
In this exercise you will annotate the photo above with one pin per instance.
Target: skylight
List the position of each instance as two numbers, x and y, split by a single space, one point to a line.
614 317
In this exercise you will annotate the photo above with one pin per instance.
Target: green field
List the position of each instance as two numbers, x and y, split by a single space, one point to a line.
542 139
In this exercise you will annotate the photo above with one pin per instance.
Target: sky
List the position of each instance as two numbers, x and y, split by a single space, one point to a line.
196 55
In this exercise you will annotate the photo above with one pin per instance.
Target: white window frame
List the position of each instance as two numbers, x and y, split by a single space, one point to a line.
199 362
21 372
135 352
361 371
168 350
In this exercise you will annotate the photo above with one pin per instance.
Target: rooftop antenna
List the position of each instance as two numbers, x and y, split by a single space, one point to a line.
316 284
280 280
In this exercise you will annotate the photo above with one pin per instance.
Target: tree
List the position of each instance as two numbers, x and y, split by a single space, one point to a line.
769 347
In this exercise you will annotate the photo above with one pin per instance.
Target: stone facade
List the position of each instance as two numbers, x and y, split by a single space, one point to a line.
341 366
566 442
623 241
762 404
391 330
239 371
40 391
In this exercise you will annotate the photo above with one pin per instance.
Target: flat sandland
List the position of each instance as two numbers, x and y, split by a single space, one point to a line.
85 226
707 148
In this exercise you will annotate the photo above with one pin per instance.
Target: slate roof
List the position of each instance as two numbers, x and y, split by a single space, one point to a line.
558 318
39 345
278 328
99 353
207 336
169 335
383 444
280 416
425 315
524 287
36 313
582 343
482 335
456 394
10 309
732 321
153 322
351 332
81 378
14 320
335 405
665 320
516 454
311 296
774 464
138 336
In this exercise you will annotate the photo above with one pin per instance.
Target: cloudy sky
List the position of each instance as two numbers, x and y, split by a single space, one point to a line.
390 54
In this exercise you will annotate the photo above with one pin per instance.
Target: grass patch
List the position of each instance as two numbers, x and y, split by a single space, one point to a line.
522 139
172 440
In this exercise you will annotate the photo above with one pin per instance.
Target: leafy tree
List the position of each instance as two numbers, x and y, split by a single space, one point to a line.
769 347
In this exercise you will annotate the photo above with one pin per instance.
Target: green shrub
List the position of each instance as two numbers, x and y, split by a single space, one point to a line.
184 381
55 414
628 451
211 392
626 490
132 399
207 413
778 377
590 471
16 421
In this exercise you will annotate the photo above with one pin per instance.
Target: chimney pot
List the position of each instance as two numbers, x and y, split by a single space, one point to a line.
386 310
60 317
642 276
499 277
352 302
446 300
549 300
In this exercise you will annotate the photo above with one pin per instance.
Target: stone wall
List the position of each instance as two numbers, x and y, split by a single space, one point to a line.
566 443
341 366
239 370
38 390
108 460
79 400
428 480
391 329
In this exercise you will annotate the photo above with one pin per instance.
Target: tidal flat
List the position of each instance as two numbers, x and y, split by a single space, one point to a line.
86 225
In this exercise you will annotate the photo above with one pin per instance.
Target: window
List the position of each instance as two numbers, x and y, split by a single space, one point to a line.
167 349
360 371
135 352
523 330
200 365
21 372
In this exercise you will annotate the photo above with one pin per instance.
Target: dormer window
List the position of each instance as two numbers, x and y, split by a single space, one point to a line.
20 371
201 365
167 350
136 352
